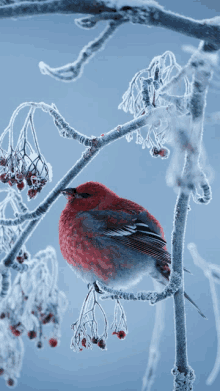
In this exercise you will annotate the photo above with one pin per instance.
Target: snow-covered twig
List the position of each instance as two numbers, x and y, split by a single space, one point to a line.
154 297
72 71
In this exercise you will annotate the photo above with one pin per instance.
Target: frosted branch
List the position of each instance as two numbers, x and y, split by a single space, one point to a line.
154 297
74 70
181 368
149 13
5 281
95 145
90 21
189 132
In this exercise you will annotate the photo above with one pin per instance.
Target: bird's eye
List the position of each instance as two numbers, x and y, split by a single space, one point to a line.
85 195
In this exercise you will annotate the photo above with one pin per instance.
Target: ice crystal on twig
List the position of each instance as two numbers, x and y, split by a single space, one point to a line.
143 96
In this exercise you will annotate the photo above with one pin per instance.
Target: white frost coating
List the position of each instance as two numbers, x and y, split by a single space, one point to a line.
118 4
212 21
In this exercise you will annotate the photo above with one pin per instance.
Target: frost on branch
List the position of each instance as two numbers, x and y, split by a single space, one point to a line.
142 97
184 130
74 70
34 301
22 164
153 297
212 272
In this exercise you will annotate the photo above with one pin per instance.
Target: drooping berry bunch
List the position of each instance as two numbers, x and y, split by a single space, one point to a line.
143 97
34 303
119 324
86 327
23 165
46 303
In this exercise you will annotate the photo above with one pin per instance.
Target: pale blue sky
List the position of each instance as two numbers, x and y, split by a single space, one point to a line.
90 106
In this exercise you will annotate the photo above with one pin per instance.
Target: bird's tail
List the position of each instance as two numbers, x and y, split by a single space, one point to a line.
194 304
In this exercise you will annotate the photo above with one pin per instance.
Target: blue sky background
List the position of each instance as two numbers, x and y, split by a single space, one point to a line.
90 106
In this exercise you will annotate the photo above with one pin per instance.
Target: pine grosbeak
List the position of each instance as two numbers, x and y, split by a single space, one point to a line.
111 239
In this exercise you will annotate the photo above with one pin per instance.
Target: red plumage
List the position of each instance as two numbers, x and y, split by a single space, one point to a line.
111 239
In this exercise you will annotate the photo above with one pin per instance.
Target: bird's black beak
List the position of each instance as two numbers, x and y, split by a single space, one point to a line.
70 191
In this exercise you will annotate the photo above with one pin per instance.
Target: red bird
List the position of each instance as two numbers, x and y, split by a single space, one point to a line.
111 239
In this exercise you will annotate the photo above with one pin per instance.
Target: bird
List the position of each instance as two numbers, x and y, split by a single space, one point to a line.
110 239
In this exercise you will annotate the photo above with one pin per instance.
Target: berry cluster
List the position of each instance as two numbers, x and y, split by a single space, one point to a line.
162 152
83 338
21 169
100 342
145 96
23 165
34 303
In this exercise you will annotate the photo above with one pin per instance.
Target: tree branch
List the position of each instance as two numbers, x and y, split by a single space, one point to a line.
149 13
95 145
192 174
172 287
74 70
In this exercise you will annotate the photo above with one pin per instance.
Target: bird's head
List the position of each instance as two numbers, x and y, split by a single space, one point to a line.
88 196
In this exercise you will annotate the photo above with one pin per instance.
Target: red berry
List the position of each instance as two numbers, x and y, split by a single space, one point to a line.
94 340
53 342
25 256
121 334
28 178
10 382
1 371
20 259
164 153
32 193
15 332
20 186
155 152
102 134
2 316
32 334
47 319
84 342
4 178
101 344
3 161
